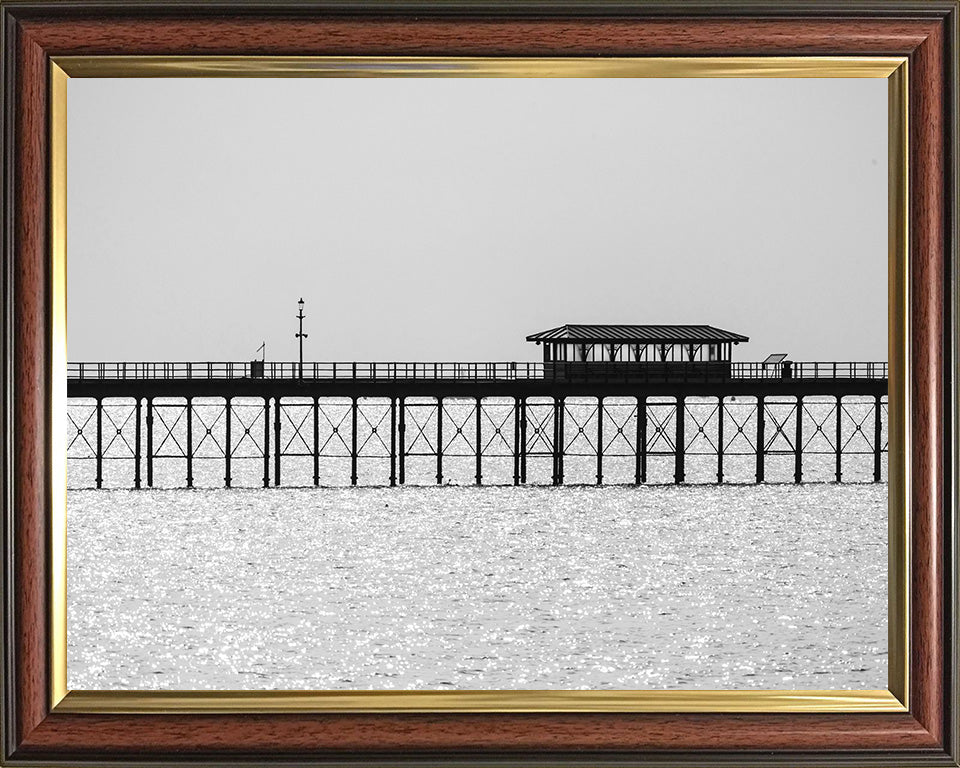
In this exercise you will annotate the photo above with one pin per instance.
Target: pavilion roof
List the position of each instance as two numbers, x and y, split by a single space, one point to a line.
638 334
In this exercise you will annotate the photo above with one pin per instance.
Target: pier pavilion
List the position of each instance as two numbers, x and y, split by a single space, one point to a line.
686 352
637 343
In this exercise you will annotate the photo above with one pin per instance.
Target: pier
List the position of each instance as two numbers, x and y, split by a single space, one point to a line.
292 418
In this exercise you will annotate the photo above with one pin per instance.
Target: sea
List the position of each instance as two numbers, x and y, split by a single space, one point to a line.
459 587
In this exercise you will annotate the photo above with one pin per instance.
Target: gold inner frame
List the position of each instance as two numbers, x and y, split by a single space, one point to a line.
892 699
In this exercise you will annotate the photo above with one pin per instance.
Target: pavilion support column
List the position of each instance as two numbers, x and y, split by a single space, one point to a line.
149 442
798 444
136 448
679 473
393 442
227 479
276 441
761 438
189 442
877 437
720 440
402 432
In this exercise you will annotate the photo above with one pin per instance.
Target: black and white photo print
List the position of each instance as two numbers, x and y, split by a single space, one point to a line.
477 383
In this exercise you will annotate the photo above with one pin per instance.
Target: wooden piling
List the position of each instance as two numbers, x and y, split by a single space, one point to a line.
316 441
599 441
877 437
720 440
150 442
277 448
798 444
136 448
839 437
439 441
353 442
479 443
761 438
227 443
403 440
393 441
189 442
266 442
99 453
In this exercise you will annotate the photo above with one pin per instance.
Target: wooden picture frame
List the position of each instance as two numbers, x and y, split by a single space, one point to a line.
39 727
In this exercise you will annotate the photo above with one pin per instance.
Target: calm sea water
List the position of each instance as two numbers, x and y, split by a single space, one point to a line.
773 586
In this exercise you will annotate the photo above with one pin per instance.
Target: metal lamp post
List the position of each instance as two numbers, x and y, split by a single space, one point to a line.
301 336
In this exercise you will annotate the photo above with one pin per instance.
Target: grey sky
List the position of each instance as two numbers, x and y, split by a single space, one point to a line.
445 219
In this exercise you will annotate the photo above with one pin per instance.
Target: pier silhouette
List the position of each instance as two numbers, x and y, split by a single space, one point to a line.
634 387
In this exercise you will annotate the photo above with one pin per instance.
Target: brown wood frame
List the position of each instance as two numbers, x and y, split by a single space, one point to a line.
926 32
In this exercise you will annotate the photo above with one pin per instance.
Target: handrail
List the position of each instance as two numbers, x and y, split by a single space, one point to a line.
475 371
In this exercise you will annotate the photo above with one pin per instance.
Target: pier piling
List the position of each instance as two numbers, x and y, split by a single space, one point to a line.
403 440
227 443
798 444
761 437
641 468
150 442
679 471
720 440
516 441
353 442
523 441
479 442
136 449
99 443
277 448
316 442
599 441
877 437
439 440
393 442
189 442
266 442
839 437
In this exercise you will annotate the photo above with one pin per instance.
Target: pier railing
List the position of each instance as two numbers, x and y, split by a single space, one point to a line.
472 371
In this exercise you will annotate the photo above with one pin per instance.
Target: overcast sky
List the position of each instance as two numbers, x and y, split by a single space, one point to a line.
446 219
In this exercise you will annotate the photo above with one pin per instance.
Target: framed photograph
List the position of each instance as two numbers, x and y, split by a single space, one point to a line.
461 383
